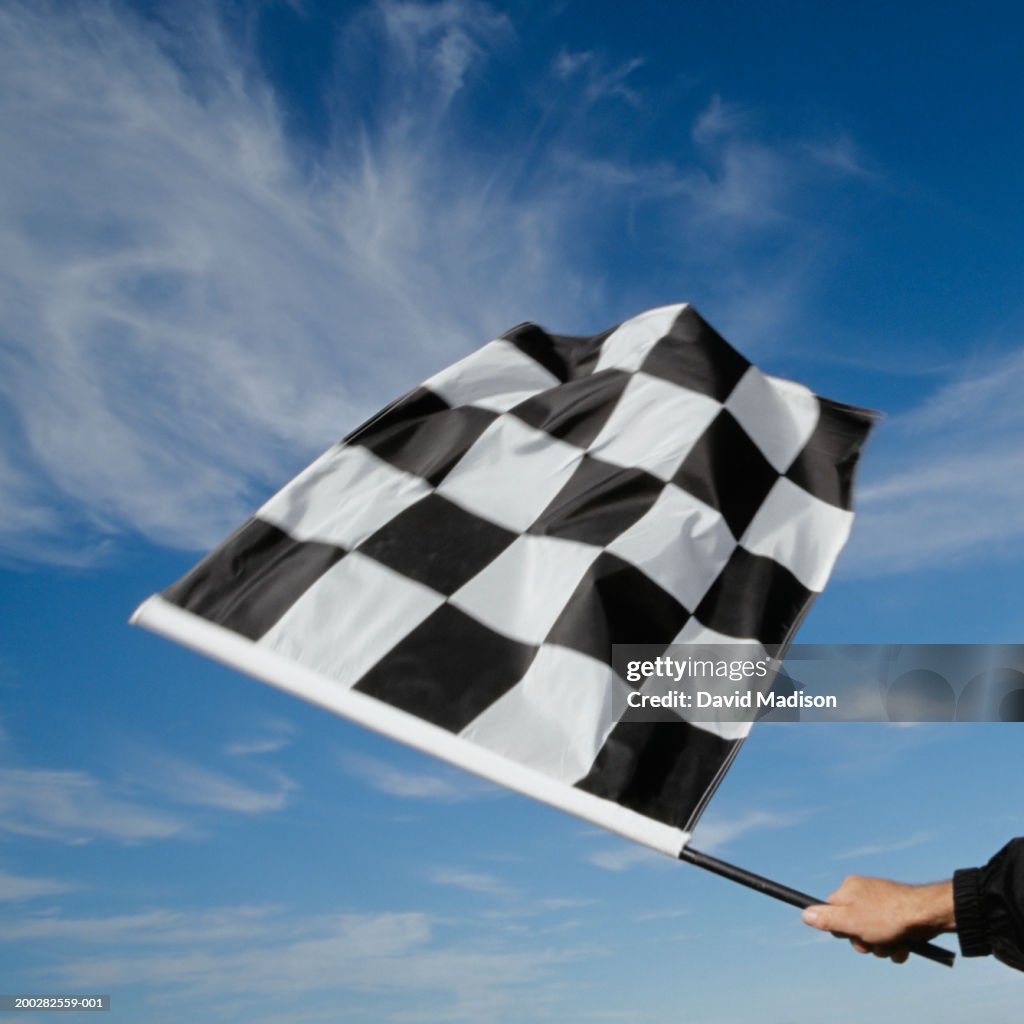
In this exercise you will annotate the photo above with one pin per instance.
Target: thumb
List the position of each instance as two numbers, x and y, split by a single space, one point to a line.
821 916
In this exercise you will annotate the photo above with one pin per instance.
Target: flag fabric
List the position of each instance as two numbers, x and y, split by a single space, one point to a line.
455 572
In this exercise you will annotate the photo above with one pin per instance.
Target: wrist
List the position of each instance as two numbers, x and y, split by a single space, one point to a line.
934 908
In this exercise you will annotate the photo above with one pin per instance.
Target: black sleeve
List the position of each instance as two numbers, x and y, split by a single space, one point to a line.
989 906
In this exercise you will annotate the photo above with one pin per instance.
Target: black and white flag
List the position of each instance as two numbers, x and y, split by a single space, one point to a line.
455 572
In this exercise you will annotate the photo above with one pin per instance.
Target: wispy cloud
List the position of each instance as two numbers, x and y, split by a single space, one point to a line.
719 120
626 856
842 155
26 887
185 782
743 183
600 81
192 284
882 751
756 205
260 745
444 40
472 881
79 807
274 736
446 785
665 914
714 831
892 846
281 960
535 914
207 301
950 480
149 927
74 807
566 903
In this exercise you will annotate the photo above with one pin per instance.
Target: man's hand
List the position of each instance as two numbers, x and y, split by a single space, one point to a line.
881 917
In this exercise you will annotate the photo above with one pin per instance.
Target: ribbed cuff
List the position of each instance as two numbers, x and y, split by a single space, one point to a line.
970 924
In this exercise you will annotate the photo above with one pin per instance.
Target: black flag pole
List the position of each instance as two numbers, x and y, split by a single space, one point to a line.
793 897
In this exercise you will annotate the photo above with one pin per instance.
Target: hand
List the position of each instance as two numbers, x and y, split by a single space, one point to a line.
881 917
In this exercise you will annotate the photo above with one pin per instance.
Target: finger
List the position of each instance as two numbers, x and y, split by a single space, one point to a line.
820 916
860 946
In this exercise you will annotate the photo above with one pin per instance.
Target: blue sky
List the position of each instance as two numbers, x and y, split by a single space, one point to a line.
229 235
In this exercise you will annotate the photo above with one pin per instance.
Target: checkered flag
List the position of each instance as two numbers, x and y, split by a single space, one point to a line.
455 572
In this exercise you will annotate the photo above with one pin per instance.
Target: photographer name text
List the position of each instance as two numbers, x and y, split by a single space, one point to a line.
736 699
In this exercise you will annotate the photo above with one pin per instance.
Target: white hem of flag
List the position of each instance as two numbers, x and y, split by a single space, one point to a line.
162 617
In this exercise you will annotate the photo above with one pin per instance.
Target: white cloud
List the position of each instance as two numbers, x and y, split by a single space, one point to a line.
716 831
566 903
150 927
744 183
892 846
599 81
665 914
449 37
191 314
198 303
252 963
718 120
303 961
472 881
443 784
185 782
747 187
626 856
753 210
842 155
74 807
26 887
266 745
569 62
275 735
947 478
